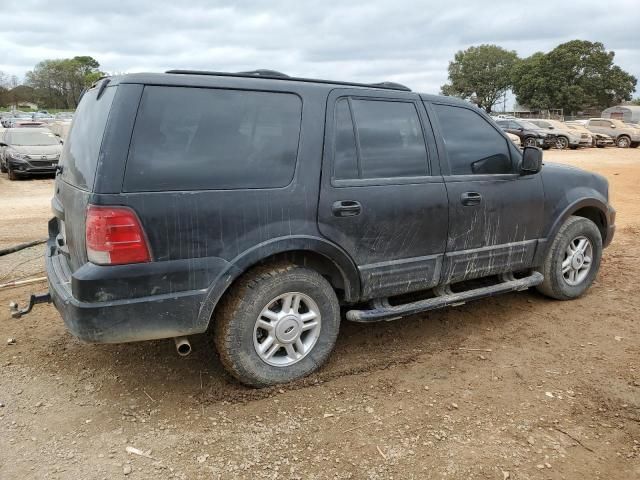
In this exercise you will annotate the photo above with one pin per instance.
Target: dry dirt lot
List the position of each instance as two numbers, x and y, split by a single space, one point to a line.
517 386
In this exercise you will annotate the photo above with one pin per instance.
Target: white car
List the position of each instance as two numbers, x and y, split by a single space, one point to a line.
515 139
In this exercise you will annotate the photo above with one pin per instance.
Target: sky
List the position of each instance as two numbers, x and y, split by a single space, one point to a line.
406 41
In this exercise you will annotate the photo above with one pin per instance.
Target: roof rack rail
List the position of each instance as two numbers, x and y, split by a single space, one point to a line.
263 72
274 75
393 85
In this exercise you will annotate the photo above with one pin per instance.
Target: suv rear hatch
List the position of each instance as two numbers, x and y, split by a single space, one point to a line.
78 164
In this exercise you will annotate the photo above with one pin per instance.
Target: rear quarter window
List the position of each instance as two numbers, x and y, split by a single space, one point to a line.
82 147
207 139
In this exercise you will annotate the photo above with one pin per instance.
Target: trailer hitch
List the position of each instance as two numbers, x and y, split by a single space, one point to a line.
33 300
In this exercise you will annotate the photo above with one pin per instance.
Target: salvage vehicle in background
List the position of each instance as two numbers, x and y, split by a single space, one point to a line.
565 137
599 140
530 135
11 120
624 135
28 151
266 218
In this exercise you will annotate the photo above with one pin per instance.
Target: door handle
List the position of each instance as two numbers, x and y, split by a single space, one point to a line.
346 208
471 198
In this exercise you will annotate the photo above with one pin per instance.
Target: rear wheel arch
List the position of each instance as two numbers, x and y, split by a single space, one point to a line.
310 252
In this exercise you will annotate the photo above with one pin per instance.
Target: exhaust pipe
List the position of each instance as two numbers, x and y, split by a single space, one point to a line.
183 346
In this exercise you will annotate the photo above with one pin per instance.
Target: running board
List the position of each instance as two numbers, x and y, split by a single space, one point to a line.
382 310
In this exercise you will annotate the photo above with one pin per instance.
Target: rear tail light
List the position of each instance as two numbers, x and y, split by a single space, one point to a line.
115 236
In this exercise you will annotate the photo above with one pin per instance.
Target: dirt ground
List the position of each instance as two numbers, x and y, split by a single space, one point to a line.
512 387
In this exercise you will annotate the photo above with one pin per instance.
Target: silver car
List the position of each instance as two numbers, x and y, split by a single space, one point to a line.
28 151
566 137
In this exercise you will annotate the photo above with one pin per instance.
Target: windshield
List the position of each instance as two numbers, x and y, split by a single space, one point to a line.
33 138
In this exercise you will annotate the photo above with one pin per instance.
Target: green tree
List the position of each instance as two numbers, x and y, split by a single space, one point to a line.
635 101
21 93
573 76
481 74
59 83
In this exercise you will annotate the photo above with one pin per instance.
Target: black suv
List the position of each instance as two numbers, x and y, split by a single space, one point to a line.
531 135
255 205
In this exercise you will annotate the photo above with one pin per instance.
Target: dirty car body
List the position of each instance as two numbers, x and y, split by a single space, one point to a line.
209 179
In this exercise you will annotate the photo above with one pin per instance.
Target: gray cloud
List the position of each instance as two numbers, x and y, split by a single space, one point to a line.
410 41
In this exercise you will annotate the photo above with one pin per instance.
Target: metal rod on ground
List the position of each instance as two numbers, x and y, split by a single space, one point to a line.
22 246
18 283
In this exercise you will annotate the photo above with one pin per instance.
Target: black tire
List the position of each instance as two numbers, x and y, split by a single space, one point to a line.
3 168
623 141
530 142
555 285
634 145
240 309
562 143
11 173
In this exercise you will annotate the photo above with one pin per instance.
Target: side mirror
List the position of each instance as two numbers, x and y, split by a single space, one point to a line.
521 129
531 161
61 142
2 144
552 128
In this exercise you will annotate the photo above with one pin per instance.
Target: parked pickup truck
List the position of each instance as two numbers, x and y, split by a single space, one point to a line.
255 206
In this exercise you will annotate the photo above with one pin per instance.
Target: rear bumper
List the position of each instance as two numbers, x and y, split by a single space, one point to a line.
125 320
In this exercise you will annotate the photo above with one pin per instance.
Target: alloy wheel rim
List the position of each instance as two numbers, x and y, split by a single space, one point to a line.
577 261
287 329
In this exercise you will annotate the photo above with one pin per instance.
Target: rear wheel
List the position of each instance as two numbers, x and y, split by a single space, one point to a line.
623 142
573 260
530 142
279 324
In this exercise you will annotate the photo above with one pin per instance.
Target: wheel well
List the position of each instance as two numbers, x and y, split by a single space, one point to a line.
315 261
596 216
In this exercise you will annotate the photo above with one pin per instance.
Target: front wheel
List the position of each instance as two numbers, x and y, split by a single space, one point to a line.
573 260
279 324
11 173
530 142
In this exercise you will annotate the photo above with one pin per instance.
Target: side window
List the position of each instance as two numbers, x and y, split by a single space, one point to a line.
345 159
473 146
387 141
204 139
390 139
503 123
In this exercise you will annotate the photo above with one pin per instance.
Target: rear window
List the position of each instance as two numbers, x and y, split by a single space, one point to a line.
82 146
200 139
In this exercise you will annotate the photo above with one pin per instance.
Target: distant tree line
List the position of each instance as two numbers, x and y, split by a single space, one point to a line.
52 83
574 76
